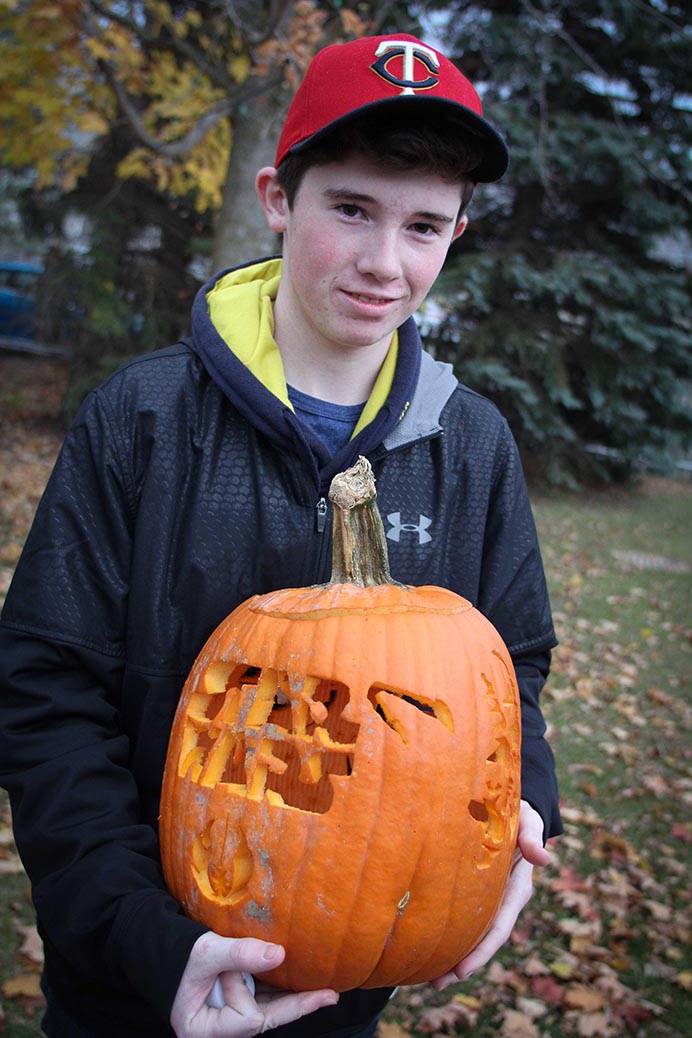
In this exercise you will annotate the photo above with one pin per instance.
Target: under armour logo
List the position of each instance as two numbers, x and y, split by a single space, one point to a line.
411 53
421 528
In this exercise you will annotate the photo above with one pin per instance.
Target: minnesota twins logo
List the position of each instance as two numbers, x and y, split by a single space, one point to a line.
420 528
413 55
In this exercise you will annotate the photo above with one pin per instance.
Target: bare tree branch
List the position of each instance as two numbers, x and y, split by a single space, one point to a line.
170 149
256 25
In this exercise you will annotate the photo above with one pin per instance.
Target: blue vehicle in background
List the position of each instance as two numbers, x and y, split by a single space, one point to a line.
18 286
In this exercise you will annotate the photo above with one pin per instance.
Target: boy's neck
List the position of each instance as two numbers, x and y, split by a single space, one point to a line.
328 371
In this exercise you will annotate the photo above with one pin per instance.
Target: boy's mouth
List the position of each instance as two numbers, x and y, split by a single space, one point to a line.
363 297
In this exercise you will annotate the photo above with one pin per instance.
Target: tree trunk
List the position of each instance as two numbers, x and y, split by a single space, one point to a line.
242 233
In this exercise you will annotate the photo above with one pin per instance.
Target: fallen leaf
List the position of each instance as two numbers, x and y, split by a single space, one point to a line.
548 990
533 1007
391 1030
10 865
563 970
26 984
470 1001
533 967
583 998
656 784
594 1025
518 1025
610 845
32 945
446 1019
684 979
661 913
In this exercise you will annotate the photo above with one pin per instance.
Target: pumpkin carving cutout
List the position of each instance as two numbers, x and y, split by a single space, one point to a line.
343 772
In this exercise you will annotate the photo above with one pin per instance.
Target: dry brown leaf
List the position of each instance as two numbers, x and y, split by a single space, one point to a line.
31 948
24 984
532 1007
684 979
534 967
611 845
579 817
518 1025
583 998
10 865
391 1030
595 1025
446 1019
656 784
660 912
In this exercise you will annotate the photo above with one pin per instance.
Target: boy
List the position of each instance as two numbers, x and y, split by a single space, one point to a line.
197 476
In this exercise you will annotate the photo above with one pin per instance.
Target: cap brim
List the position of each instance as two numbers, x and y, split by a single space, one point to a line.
496 155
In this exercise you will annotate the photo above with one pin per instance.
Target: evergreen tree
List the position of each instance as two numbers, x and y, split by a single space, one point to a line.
569 300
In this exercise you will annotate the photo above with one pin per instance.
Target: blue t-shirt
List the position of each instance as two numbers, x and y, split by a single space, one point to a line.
333 423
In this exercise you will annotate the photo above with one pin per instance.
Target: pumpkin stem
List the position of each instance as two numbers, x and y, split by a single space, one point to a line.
359 554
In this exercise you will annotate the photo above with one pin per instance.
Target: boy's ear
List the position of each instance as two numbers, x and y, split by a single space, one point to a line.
272 198
461 227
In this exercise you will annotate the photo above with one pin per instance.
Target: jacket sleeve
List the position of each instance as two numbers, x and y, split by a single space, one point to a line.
514 596
93 864
538 779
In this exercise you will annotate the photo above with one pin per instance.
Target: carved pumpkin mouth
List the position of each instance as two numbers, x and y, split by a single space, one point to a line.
267 733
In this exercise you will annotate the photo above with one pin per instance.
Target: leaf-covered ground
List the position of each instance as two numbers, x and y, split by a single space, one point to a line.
604 949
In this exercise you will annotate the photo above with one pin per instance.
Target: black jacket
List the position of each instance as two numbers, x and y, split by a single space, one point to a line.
183 488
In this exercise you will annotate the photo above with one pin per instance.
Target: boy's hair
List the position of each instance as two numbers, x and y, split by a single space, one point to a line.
393 144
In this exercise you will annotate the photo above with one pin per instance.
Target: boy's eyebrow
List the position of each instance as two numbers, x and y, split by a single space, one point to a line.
358 196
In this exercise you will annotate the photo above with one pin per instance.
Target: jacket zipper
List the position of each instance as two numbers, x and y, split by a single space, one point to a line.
321 509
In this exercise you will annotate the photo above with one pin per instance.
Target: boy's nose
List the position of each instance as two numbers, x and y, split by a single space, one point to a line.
380 257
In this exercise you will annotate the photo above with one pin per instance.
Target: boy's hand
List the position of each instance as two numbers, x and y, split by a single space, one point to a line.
530 851
243 1015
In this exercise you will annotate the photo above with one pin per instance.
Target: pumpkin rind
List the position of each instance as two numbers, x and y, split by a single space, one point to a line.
389 867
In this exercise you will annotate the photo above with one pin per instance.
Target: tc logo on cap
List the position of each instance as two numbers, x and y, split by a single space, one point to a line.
411 53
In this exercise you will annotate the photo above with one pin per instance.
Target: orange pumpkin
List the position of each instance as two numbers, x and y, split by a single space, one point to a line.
343 771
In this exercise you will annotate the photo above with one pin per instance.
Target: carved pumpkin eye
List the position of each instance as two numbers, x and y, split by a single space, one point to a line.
343 774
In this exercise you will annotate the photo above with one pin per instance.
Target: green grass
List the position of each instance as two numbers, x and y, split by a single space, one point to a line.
604 949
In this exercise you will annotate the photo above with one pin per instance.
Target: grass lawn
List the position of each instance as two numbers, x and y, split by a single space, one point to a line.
603 950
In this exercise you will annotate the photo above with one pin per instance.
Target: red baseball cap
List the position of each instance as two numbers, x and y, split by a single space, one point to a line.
345 80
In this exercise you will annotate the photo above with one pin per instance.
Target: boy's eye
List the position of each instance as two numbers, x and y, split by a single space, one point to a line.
425 228
349 209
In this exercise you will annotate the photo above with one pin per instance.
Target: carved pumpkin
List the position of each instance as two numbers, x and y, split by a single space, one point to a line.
343 771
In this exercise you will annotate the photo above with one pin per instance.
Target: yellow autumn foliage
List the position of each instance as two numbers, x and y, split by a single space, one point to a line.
66 68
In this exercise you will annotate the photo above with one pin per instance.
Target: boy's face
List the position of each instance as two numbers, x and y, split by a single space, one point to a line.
362 247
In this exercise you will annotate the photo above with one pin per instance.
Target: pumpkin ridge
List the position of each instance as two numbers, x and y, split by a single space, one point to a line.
433 959
373 825
416 880
390 936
